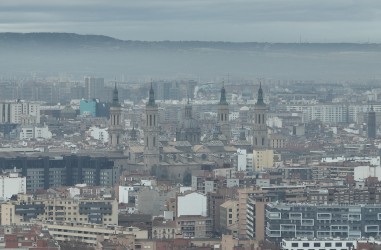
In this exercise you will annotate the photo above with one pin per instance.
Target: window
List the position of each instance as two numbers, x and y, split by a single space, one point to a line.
306 244
328 244
339 244
316 244
295 244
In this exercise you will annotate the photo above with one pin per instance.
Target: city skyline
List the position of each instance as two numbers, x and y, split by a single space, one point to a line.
238 21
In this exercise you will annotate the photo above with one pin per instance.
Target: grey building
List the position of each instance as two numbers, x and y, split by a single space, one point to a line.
372 123
44 172
284 221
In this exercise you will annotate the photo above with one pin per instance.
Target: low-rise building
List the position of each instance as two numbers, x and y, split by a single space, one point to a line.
90 234
163 229
229 217
11 184
287 221
94 211
194 226
317 244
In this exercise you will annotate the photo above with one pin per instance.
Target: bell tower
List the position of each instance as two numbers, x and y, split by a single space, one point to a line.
115 128
260 138
223 115
151 132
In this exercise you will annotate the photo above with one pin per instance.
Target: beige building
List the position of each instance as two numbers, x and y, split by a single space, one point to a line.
263 159
93 211
162 229
255 216
90 234
229 217
277 141
243 194
194 226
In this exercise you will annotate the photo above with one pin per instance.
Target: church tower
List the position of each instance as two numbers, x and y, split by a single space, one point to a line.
189 130
260 138
116 128
151 133
372 123
223 116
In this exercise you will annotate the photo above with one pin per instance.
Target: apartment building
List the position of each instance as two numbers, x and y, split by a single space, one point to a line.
44 172
93 211
19 111
194 226
317 244
345 195
11 183
287 220
163 229
89 234
229 217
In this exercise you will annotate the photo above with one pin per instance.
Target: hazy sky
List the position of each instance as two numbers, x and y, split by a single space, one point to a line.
222 20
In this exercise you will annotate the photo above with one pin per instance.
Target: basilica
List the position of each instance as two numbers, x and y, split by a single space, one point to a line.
173 159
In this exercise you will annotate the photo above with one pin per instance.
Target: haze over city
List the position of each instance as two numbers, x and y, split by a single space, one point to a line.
186 125
208 20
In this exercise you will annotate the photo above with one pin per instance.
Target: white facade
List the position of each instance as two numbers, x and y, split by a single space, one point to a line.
363 172
307 244
374 161
233 116
99 134
11 184
123 193
32 132
74 191
274 122
192 204
332 113
244 160
14 112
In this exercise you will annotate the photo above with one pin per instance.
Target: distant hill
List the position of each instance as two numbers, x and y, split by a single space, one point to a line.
99 41
47 54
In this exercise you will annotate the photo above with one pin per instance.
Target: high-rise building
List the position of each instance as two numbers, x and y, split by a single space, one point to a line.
116 127
16 112
151 132
371 123
94 88
223 116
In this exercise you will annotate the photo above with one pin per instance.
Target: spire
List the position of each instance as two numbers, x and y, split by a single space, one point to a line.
188 110
133 133
115 98
223 95
151 100
260 95
242 134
